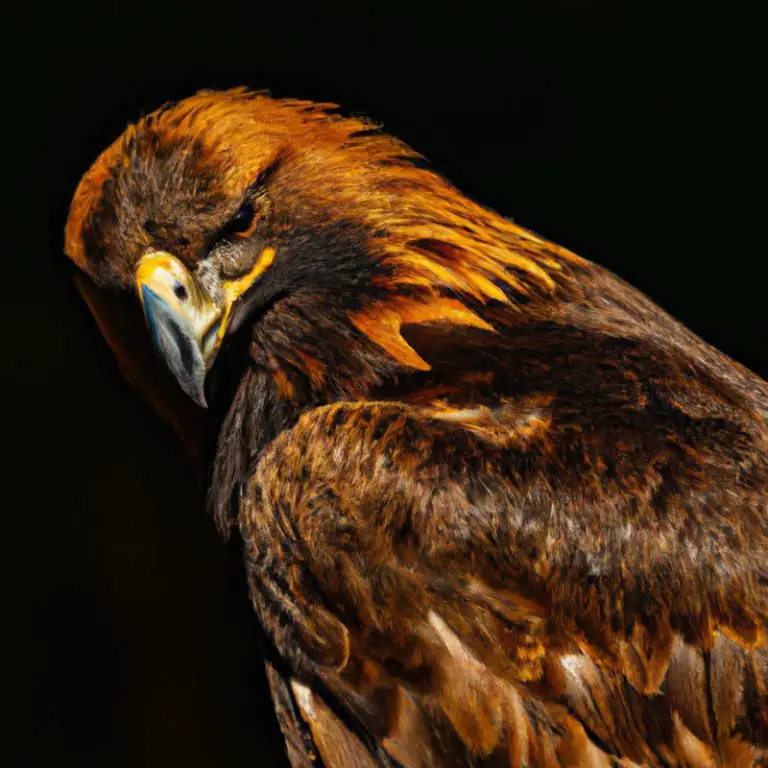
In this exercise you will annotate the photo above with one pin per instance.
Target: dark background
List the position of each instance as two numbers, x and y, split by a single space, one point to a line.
629 135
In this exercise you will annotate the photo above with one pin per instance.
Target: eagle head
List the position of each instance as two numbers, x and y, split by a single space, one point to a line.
321 234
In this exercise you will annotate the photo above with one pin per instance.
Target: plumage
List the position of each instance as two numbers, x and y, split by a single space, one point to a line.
497 507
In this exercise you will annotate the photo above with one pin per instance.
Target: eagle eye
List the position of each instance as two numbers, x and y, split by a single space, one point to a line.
243 222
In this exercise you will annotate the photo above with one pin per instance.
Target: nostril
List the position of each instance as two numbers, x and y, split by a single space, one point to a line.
180 291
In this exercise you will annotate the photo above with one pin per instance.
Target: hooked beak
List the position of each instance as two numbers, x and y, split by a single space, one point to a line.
186 323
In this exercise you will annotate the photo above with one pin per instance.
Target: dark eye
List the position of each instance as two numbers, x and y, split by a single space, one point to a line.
242 223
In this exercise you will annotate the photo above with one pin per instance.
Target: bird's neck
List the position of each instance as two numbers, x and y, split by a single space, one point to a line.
435 302
278 384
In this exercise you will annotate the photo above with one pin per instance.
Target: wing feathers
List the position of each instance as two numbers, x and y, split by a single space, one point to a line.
336 744
462 621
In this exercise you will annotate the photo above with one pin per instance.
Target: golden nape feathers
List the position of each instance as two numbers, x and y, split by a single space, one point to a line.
497 507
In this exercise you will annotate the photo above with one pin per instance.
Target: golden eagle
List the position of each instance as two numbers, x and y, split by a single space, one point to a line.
497 508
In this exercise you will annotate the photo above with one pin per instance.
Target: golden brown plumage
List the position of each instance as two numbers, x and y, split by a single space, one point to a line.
497 507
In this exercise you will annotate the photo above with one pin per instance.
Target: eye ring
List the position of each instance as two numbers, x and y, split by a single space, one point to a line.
243 223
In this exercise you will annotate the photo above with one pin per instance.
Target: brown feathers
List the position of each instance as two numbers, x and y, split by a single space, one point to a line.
423 599
498 509
381 323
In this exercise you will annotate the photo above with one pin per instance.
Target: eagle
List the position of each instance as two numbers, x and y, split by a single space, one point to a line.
497 508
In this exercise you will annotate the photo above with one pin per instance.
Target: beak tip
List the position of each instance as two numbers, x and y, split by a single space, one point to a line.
195 391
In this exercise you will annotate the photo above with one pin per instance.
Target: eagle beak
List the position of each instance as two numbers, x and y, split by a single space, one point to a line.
187 323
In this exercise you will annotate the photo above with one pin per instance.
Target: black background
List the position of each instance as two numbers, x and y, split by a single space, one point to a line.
627 132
